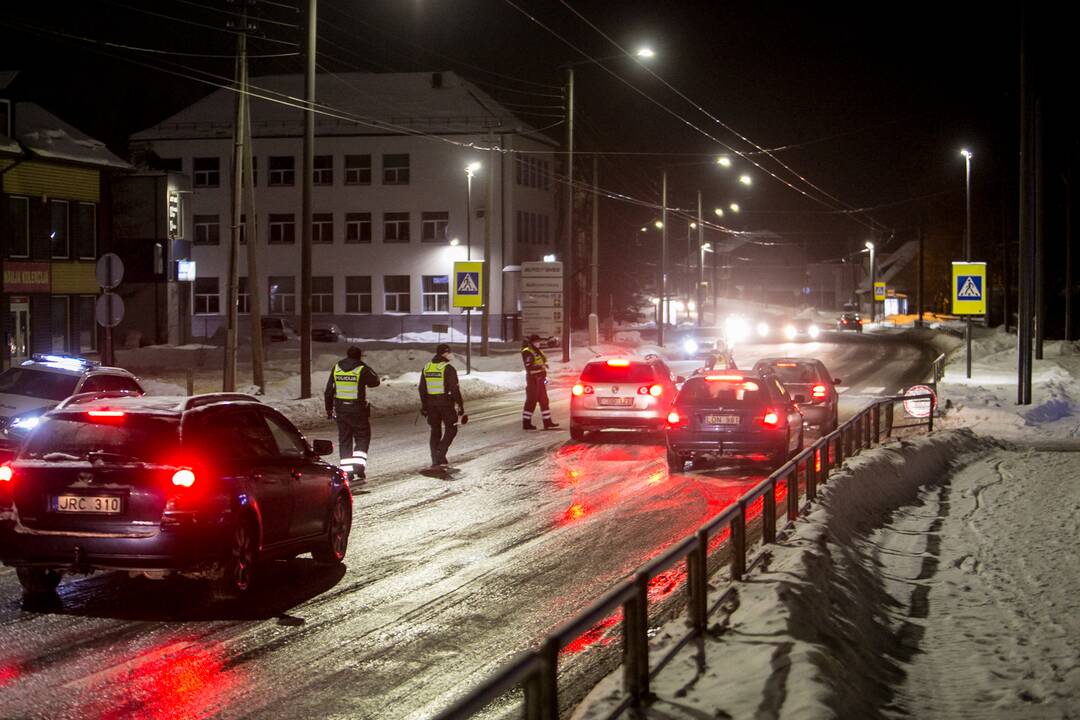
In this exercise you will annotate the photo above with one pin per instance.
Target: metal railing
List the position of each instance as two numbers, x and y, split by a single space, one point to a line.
536 671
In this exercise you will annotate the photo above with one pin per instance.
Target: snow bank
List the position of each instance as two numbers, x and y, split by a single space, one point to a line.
811 635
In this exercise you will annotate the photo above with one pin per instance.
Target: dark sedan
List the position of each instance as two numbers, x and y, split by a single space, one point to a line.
811 384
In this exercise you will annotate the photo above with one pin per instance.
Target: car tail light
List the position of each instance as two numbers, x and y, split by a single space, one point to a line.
618 362
771 418
183 478
819 391
723 378
674 419
6 473
654 390
105 413
579 390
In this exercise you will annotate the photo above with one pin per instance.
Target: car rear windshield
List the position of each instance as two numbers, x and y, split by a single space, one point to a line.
701 391
142 438
38 384
796 373
602 372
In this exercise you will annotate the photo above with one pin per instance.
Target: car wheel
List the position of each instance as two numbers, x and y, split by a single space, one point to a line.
577 433
332 550
239 567
675 462
38 581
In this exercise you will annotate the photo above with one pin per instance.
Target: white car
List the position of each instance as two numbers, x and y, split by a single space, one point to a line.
622 394
29 390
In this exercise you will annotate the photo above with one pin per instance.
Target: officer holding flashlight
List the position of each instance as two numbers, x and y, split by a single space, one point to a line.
440 395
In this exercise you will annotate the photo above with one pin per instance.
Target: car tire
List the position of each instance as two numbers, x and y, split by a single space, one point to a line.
675 462
577 433
38 581
332 550
241 557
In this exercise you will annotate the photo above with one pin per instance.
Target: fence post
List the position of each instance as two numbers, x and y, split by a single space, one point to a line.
542 688
698 583
793 492
877 424
738 542
889 419
636 642
839 449
933 409
811 474
768 514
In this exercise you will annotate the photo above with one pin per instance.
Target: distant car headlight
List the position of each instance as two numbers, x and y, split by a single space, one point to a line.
690 346
736 329
762 329
790 332
813 331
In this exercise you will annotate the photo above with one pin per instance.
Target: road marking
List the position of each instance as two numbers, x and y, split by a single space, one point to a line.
873 391
841 389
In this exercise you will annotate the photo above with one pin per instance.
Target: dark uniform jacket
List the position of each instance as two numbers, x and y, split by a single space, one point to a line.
368 378
450 384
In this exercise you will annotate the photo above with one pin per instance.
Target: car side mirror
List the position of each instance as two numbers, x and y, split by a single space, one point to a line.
322 448
800 399
836 381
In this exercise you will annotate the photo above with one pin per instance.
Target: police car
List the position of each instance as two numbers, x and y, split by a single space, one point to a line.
29 390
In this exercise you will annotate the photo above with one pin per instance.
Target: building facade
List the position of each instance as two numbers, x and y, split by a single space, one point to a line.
389 200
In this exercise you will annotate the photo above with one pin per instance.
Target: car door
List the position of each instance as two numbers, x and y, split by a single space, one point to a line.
794 416
310 479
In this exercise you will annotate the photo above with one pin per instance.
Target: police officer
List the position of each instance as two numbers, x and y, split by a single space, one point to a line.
535 385
346 401
440 394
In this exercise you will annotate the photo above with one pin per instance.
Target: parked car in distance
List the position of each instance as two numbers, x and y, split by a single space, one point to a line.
621 393
327 332
849 321
733 416
205 486
812 386
277 329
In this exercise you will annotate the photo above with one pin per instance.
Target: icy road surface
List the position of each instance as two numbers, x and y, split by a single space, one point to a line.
444 580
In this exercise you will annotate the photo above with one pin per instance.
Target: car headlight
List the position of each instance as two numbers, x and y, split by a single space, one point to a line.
690 346
813 331
736 329
23 425
790 332
762 329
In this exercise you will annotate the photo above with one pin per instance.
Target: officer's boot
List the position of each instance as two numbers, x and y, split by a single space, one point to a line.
548 422
526 422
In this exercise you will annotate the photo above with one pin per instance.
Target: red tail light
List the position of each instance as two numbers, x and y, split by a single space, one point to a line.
673 418
183 478
654 390
6 473
770 419
819 391
105 413
618 362
578 390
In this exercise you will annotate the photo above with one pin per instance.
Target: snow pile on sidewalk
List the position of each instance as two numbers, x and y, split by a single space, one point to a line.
815 634
987 402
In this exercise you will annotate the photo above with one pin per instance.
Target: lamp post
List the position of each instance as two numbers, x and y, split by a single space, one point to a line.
967 250
873 282
470 170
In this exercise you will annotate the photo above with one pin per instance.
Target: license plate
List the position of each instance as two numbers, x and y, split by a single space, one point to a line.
615 402
101 504
721 419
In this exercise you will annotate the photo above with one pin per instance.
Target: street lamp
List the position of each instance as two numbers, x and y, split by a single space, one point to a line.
746 180
967 249
734 207
719 212
723 161
645 53
873 281
470 170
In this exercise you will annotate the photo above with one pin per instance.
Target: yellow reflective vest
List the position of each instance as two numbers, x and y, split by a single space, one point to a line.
435 377
347 383
539 360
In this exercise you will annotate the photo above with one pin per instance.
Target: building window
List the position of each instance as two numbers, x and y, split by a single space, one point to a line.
5 117
358 227
282 294
433 226
395 169
171 164
207 172
282 229
58 323
282 170
86 230
322 228
207 299
322 294
436 293
19 215
207 230
396 227
396 293
58 229
357 169
243 296
358 294
87 325
323 170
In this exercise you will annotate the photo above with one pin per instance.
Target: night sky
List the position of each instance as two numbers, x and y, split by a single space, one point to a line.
876 104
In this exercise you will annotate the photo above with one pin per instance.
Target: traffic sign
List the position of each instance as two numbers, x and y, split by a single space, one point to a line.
922 407
468 284
109 271
969 288
109 310
879 291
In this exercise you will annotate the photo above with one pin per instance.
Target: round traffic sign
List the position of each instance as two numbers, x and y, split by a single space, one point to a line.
109 310
109 271
922 407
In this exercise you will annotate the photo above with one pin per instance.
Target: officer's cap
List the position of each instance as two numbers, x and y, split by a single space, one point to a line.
442 349
354 352
534 338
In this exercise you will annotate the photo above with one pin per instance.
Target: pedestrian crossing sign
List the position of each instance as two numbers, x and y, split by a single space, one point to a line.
468 284
969 288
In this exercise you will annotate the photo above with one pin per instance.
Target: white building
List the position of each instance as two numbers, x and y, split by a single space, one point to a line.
389 198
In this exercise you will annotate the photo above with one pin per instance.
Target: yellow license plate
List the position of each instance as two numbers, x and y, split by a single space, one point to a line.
100 504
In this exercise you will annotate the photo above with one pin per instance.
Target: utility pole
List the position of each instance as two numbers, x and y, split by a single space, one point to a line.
967 254
1026 234
305 211
251 233
1068 256
485 328
1040 248
715 282
228 383
701 263
568 261
594 288
663 263
922 265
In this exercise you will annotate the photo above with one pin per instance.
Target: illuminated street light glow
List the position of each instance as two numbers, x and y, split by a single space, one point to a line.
719 212
746 180
454 242
966 153
471 168
644 229
734 207
869 245
723 161
646 53
693 226
658 225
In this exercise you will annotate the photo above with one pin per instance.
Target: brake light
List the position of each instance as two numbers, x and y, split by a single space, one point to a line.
770 419
6 473
723 378
654 390
673 418
618 362
819 391
105 413
183 478
579 390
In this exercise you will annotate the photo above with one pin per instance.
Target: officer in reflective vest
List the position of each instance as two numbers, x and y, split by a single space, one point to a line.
535 385
440 394
346 401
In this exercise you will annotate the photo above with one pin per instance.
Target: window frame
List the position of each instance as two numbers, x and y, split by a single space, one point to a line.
397 296
287 304
288 228
26 235
322 228
93 231
360 220
207 175
359 296
436 223
320 300
67 229
211 299
354 174
396 174
281 176
397 223
440 297
197 224
323 176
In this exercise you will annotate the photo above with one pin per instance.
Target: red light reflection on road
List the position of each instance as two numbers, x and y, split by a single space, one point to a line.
9 673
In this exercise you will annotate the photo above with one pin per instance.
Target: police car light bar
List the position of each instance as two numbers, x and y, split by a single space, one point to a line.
67 361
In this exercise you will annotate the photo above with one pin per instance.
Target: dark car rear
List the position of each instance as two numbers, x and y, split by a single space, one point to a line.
811 381
849 321
733 416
